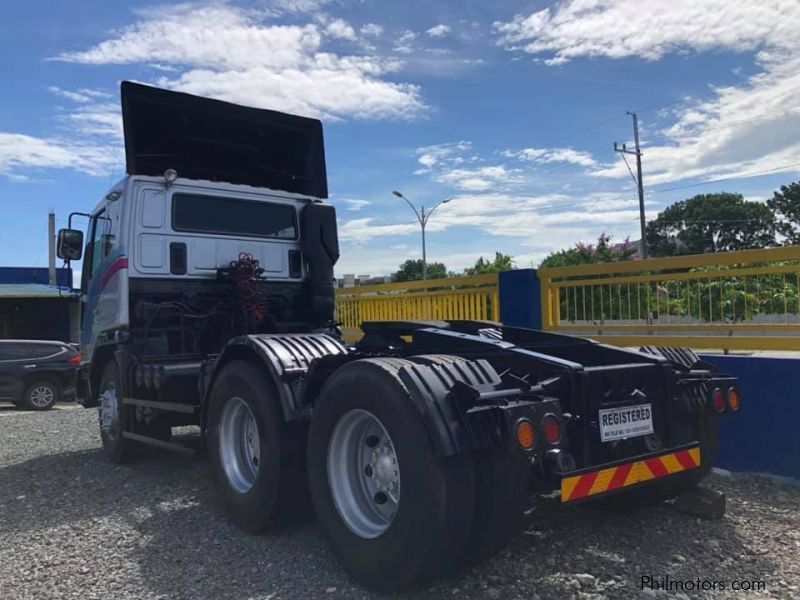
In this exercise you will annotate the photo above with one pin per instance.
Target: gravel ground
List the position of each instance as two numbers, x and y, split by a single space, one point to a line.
73 525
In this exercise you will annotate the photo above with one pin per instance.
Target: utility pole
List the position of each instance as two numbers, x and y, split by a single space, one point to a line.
637 178
51 249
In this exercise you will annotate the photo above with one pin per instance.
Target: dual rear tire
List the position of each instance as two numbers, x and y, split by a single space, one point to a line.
394 511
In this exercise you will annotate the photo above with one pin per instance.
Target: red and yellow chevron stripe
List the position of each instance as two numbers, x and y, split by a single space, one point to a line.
588 484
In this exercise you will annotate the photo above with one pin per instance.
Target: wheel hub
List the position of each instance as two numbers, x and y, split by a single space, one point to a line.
41 396
239 445
108 411
384 467
363 473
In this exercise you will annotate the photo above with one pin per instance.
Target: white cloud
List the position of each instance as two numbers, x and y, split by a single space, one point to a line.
24 152
746 128
339 28
81 96
355 204
299 6
450 165
404 43
365 228
479 179
619 28
371 30
511 215
438 31
537 224
553 155
235 55
449 152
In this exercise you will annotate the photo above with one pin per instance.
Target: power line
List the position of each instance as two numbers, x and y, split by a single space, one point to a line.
582 131
685 221
731 178
725 125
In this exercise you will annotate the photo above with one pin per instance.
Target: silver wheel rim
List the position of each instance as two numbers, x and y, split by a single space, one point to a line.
363 473
41 396
239 445
109 415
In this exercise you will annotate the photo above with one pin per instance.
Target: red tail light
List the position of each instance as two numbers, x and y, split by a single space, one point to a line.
75 360
552 429
718 400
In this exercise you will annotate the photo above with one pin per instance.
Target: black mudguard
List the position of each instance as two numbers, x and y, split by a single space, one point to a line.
287 358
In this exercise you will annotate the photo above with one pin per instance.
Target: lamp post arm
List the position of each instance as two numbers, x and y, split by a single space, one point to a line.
416 212
435 206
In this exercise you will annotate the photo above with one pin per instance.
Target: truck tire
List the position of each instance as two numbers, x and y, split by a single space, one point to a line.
501 484
393 511
41 394
115 417
256 459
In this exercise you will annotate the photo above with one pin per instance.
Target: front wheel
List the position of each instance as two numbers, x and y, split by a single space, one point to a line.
115 417
394 512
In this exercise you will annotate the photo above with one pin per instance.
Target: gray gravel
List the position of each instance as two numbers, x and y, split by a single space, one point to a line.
73 525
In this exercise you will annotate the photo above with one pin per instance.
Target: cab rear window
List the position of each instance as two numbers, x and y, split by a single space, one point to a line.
233 216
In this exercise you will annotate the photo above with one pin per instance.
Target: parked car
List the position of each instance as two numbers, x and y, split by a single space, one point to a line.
36 374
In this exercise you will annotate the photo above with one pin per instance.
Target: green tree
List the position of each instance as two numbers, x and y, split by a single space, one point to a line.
501 262
711 223
411 270
786 206
586 254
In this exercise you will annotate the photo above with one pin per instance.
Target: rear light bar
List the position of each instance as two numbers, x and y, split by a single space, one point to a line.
733 399
722 399
552 429
718 401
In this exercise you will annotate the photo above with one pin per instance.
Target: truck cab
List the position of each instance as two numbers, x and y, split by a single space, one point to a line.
218 187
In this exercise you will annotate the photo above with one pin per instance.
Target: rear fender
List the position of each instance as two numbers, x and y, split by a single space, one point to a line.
294 362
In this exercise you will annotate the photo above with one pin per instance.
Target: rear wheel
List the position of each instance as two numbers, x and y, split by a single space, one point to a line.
41 395
501 484
256 459
394 512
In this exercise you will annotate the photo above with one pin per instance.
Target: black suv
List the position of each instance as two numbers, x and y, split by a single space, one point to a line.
37 374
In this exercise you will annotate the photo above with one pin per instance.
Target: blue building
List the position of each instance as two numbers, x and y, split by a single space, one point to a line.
34 307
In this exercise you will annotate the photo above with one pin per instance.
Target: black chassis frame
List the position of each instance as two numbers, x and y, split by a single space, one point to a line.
539 373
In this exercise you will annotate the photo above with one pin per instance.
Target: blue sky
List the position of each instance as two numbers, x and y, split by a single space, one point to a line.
510 108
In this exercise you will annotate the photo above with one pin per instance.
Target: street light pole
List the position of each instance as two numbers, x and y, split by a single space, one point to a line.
422 217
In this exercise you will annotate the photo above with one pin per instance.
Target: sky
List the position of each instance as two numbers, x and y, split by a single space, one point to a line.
509 108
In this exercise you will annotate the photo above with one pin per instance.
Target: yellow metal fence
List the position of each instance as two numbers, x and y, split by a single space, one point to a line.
733 300
450 298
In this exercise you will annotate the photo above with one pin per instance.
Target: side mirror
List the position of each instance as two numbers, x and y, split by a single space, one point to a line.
70 244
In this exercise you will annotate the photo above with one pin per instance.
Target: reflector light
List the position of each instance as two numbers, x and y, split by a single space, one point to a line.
526 435
733 398
718 400
552 429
